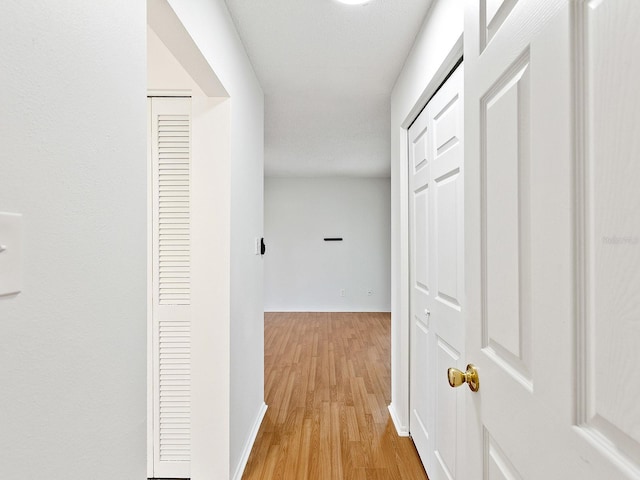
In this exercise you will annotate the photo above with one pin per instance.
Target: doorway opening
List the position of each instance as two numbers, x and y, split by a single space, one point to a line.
188 181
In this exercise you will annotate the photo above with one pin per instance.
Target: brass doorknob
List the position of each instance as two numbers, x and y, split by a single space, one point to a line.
470 377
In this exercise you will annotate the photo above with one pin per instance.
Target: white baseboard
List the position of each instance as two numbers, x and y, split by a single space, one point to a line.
351 309
403 431
249 445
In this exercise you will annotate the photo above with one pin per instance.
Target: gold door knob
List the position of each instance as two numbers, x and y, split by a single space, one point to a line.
470 377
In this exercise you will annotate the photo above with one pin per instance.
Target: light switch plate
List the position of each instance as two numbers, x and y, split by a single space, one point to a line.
10 253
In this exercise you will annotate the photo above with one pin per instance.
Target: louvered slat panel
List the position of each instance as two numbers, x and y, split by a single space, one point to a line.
174 382
174 173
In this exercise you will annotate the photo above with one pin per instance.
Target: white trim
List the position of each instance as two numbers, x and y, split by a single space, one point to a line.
450 61
402 430
150 440
246 451
169 93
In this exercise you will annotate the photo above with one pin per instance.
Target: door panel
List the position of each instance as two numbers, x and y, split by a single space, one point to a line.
511 181
170 328
492 15
437 282
552 303
497 465
447 195
505 172
447 417
421 237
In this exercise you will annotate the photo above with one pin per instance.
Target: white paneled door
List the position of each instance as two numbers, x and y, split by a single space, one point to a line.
170 346
552 165
436 154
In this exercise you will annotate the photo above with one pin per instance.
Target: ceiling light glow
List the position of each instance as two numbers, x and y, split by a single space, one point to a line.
354 2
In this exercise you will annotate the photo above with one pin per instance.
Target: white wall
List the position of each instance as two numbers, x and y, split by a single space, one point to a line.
437 47
73 161
235 339
305 273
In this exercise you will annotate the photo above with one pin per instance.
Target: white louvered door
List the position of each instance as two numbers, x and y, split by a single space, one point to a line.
171 289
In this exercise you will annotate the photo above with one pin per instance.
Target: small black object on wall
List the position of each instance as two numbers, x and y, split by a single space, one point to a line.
263 247
333 239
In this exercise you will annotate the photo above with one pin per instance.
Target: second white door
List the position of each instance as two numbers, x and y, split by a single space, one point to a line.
436 156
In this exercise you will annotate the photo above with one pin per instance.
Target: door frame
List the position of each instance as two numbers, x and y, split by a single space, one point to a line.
400 410
211 111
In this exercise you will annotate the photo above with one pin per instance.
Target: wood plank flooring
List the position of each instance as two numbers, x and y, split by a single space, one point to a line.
327 385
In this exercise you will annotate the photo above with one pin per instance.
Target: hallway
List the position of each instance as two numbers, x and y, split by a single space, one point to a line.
327 385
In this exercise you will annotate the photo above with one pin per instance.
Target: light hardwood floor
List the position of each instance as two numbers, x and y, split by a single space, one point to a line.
327 385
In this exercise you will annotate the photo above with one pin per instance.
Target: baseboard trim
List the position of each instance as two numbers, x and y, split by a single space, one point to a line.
401 429
250 441
329 310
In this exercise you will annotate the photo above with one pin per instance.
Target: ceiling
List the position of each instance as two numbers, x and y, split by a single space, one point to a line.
327 71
